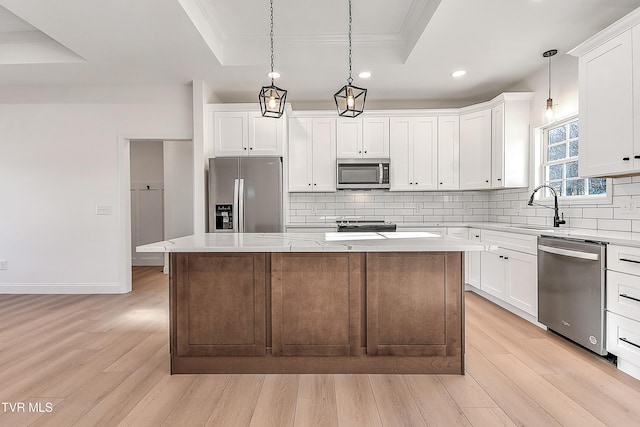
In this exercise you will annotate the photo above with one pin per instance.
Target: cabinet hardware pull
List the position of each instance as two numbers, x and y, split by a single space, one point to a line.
628 297
309 184
486 180
506 257
411 183
636 157
499 179
365 151
477 235
250 148
315 184
630 260
501 257
626 159
629 342
359 152
244 148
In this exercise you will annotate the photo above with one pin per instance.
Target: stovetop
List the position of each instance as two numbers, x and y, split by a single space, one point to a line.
364 226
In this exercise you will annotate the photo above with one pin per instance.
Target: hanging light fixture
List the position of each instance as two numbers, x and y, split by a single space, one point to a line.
272 98
549 109
350 99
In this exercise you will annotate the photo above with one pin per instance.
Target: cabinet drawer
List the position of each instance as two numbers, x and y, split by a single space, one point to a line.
624 259
623 294
623 337
513 241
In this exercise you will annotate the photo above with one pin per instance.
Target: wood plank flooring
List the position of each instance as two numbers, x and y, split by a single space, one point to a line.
102 360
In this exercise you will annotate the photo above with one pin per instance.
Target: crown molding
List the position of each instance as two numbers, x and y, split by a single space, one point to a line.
620 26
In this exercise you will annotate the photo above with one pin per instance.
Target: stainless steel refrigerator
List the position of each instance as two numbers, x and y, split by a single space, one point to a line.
245 195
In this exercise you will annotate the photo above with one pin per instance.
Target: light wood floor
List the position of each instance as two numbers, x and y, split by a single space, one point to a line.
103 360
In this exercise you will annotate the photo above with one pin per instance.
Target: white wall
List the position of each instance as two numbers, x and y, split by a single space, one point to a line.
178 188
59 159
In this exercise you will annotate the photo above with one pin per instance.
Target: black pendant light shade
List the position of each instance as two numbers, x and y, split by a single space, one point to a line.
272 98
549 113
272 101
350 99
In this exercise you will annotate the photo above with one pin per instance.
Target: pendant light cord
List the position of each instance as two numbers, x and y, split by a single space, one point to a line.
350 80
549 73
271 36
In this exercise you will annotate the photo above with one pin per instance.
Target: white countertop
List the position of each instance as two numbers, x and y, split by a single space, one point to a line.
314 242
612 237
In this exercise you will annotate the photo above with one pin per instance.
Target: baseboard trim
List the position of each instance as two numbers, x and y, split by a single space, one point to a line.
61 288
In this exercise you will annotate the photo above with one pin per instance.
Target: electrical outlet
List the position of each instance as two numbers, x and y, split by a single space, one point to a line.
418 209
313 209
104 209
3 264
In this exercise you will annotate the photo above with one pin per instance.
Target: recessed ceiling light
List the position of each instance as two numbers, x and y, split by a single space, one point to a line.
273 75
365 74
458 73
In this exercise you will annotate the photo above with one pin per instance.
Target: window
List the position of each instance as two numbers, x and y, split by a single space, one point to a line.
560 163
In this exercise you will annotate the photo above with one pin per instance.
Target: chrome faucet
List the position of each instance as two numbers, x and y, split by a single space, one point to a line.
556 219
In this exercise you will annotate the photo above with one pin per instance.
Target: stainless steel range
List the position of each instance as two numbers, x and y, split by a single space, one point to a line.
363 226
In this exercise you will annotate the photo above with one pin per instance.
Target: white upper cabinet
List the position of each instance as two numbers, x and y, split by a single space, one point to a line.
231 133
510 141
413 153
241 133
448 153
475 150
312 154
607 102
363 137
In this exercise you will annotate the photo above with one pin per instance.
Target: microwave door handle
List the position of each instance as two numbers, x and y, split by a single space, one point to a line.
380 174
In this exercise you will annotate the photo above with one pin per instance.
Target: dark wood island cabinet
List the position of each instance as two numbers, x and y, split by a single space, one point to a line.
317 312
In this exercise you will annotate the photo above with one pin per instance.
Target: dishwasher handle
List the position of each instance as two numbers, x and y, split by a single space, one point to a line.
569 253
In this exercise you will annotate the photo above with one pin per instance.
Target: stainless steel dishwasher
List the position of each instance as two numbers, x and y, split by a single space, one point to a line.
571 290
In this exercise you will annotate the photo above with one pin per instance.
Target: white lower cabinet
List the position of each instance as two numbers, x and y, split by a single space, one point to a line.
510 275
472 264
623 307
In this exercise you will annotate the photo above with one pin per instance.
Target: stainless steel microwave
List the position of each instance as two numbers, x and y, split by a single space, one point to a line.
362 174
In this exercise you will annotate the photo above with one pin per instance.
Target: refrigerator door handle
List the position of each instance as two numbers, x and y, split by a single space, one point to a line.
236 211
241 206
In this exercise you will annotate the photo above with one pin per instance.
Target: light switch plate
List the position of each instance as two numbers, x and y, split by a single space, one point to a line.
104 209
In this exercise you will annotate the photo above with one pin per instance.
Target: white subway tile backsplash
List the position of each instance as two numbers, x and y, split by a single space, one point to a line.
614 225
507 206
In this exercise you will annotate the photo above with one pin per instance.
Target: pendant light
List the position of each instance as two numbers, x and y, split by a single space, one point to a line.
350 99
549 114
272 98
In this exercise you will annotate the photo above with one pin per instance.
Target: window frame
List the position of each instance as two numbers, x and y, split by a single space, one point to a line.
541 139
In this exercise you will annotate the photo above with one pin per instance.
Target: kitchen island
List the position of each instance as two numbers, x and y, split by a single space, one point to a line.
316 303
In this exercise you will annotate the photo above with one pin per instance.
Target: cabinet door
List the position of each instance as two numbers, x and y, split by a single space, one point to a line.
497 146
231 134
265 136
425 153
636 96
475 150
449 153
522 281
473 261
410 301
316 304
220 304
324 154
375 137
349 138
300 154
401 154
607 109
492 273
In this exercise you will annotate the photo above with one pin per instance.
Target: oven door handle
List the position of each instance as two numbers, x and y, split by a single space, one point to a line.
569 253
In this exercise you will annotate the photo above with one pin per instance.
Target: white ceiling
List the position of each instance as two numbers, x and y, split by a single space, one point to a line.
410 46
